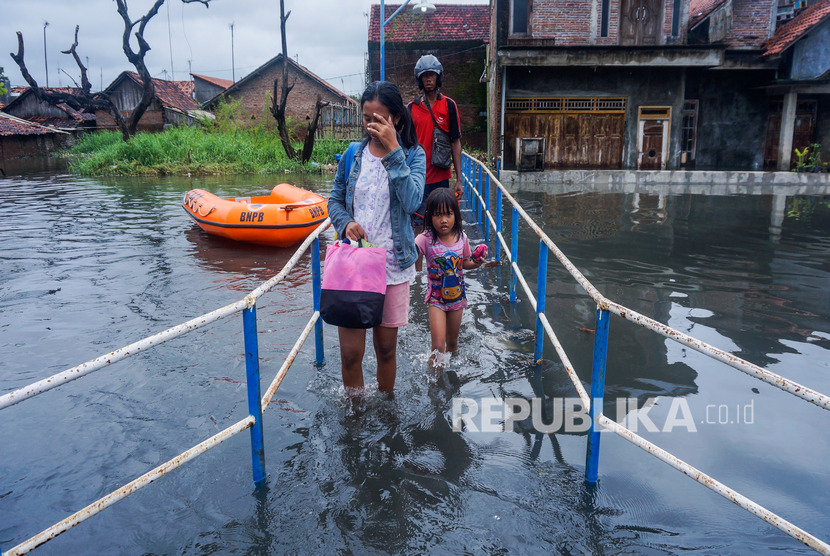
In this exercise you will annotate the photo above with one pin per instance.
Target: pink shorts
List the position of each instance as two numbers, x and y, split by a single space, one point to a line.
396 306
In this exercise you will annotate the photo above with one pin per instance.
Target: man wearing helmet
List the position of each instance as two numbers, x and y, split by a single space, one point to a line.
429 74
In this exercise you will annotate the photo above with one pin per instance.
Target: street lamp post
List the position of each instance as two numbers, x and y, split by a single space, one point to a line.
422 5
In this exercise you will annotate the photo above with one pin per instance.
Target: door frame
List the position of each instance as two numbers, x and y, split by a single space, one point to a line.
652 113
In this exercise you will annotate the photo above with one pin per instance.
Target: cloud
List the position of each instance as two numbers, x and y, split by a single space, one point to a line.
329 37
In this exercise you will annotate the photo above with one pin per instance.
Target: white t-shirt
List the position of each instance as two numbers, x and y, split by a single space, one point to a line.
372 212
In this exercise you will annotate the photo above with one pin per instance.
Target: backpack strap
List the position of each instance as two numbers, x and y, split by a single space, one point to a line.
349 156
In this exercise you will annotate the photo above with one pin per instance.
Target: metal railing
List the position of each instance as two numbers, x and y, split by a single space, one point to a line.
257 403
478 182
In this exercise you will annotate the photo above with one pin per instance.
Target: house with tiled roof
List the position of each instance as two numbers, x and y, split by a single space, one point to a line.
205 87
457 35
61 116
649 84
254 92
21 138
801 93
173 102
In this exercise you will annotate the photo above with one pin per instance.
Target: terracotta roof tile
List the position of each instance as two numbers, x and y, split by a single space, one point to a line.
172 94
68 90
786 35
449 22
700 9
224 83
10 125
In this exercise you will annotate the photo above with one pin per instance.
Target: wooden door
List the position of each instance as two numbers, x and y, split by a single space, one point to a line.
640 21
651 153
804 130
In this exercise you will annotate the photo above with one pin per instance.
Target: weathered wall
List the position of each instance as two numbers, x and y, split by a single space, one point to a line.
463 63
32 146
732 117
811 57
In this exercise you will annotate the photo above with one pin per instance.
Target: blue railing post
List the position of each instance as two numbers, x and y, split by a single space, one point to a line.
254 395
498 167
514 252
498 223
486 207
541 291
315 289
478 189
597 393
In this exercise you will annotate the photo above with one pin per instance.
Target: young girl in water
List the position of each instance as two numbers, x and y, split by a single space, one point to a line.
447 251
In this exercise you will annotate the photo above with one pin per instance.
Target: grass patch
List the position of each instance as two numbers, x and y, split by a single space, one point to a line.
194 150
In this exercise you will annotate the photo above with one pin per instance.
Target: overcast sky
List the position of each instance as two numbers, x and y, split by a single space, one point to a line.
329 37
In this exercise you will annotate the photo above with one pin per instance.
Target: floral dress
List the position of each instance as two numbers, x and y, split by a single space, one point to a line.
371 211
445 271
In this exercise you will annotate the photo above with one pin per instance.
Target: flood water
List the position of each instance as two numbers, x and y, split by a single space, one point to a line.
88 265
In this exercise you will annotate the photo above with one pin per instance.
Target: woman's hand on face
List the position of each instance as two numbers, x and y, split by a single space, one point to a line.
353 231
383 129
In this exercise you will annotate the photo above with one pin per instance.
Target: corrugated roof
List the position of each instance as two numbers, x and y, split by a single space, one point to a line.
224 83
449 22
786 35
700 10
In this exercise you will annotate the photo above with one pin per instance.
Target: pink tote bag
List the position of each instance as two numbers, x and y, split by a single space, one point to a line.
354 286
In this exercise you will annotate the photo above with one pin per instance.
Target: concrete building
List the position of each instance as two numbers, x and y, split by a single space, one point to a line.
652 84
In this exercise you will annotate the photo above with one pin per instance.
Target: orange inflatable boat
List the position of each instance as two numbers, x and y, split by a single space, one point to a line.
284 218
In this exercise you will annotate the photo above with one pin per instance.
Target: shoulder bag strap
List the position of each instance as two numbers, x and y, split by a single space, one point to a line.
434 123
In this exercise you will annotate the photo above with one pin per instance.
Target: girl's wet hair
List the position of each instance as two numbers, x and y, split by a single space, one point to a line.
440 201
388 95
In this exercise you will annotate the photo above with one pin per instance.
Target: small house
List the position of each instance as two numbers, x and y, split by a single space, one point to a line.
21 138
205 88
26 106
255 91
173 102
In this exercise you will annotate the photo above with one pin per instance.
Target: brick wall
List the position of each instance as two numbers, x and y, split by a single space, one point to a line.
151 120
578 22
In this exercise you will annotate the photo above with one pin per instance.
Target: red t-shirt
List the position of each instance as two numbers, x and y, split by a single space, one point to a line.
446 114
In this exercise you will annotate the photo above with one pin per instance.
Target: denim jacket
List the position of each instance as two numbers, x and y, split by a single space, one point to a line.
407 170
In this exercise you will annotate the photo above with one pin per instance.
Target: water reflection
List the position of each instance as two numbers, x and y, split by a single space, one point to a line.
244 263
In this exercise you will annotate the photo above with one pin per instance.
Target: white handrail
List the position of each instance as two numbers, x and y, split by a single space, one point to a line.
776 380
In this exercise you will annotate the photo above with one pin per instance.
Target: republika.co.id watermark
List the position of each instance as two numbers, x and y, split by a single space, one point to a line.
568 415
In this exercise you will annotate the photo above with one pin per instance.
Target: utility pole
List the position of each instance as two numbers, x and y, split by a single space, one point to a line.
233 66
45 62
170 44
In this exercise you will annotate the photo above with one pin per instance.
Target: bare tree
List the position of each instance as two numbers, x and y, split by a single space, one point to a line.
281 90
84 98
